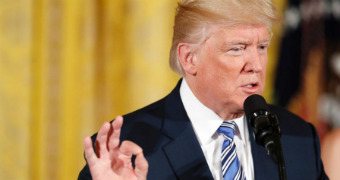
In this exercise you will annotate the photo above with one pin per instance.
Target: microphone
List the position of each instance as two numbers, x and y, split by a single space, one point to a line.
266 129
265 123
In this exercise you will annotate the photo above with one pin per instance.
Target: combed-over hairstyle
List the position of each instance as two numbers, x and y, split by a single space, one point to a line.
193 16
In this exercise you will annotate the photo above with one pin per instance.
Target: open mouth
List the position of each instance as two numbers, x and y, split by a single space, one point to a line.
251 85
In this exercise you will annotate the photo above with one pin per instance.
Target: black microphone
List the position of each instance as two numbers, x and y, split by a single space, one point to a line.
266 129
265 123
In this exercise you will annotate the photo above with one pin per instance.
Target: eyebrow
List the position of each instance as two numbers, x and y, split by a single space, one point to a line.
245 42
237 42
265 40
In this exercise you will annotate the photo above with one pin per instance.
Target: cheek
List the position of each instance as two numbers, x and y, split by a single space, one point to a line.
230 73
264 71
263 82
226 83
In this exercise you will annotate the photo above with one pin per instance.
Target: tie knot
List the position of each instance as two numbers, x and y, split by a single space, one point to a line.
227 129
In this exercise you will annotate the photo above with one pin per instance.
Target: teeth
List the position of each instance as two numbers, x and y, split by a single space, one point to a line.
250 85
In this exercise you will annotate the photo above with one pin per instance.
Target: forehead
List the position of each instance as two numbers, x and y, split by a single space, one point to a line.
241 32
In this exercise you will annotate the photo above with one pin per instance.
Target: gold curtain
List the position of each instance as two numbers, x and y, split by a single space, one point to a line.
66 66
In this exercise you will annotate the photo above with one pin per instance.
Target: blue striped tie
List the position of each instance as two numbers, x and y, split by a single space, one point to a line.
231 168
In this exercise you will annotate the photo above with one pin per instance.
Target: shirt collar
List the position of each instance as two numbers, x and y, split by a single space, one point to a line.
242 128
204 120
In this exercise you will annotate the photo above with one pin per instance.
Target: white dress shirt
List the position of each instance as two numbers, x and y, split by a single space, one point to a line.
205 123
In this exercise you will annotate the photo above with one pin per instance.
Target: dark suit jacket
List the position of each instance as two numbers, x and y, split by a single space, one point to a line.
170 145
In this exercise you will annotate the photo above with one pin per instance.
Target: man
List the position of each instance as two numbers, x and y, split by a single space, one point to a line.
220 49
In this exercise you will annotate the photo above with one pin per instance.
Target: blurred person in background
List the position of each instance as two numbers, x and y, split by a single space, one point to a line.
329 106
330 154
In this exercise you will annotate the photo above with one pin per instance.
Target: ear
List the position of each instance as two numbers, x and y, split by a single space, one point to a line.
186 58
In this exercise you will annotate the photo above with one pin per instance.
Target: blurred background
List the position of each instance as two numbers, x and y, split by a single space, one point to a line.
67 66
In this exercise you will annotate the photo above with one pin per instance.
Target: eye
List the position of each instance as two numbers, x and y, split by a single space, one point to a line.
263 47
236 50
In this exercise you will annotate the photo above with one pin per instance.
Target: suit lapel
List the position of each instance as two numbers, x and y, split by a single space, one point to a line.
186 157
264 166
183 151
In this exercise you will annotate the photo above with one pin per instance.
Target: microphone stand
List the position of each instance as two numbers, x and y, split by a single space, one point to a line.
275 148
281 162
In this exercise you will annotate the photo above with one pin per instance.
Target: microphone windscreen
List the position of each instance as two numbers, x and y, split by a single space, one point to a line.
254 103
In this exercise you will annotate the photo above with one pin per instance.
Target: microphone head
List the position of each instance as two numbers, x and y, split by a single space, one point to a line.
253 104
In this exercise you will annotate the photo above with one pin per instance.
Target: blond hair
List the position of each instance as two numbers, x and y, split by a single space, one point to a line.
193 16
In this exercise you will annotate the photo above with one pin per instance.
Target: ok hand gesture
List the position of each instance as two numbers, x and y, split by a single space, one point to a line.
111 161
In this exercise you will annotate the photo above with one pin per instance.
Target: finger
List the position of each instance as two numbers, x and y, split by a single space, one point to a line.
127 149
102 139
142 166
114 138
89 152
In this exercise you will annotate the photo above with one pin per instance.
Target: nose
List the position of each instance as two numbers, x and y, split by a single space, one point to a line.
253 62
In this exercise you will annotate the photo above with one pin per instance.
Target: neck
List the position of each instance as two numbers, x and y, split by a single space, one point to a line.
229 115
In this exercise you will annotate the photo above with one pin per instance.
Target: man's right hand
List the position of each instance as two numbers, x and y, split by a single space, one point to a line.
111 161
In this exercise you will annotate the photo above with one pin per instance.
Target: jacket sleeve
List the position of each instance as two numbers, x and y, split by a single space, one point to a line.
85 174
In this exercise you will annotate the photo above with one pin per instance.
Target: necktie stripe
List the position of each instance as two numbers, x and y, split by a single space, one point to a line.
227 147
231 168
237 175
229 160
228 152
228 138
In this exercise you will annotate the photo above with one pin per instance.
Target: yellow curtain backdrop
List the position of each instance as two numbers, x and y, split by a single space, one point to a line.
66 66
